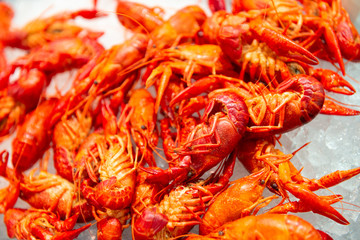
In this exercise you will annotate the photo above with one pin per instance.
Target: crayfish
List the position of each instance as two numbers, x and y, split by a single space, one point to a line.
176 129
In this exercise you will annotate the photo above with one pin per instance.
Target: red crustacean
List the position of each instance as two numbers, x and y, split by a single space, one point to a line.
232 31
40 224
42 63
142 121
116 171
187 60
261 153
223 125
331 22
54 57
36 70
18 98
213 88
67 137
260 59
70 52
183 24
33 136
181 28
42 30
102 73
292 104
27 88
42 191
145 196
315 22
139 17
105 174
265 226
181 208
240 199
56 194
112 172
331 80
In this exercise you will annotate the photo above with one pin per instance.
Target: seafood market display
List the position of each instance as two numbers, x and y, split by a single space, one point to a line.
132 120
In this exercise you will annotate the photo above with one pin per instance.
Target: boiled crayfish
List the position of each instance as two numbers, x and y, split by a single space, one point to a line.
146 134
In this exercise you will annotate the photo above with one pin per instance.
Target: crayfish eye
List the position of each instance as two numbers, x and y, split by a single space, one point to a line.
190 174
221 233
303 119
177 108
143 127
200 33
295 68
154 45
96 82
262 181
275 186
56 30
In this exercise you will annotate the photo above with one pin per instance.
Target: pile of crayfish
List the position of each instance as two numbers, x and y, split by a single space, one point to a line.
148 133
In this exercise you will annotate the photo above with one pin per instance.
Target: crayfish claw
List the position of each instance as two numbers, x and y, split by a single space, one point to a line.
332 108
69 235
333 82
